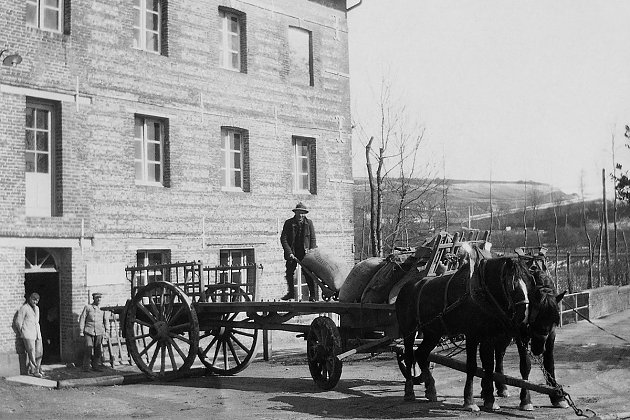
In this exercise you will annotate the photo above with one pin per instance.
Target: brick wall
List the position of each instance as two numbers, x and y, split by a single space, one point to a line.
100 202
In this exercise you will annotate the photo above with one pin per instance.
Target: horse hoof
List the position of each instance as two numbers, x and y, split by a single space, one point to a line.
410 397
527 407
471 407
561 404
431 397
503 393
491 406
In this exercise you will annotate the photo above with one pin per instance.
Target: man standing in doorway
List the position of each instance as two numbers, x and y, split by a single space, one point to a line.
26 325
93 324
297 238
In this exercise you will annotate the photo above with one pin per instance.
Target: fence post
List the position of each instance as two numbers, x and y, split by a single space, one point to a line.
569 280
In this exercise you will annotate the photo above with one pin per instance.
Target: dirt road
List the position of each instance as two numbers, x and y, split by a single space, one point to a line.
591 364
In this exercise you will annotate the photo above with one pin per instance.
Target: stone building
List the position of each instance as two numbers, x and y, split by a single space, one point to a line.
150 131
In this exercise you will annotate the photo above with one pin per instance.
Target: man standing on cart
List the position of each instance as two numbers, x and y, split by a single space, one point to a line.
297 238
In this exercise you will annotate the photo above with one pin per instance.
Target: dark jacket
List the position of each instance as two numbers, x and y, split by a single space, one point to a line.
289 238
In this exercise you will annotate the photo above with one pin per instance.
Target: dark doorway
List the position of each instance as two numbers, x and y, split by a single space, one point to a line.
47 285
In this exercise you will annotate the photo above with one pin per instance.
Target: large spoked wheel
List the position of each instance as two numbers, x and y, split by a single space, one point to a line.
402 365
227 350
162 330
323 344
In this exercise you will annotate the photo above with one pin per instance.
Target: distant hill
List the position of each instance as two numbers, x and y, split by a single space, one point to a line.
465 195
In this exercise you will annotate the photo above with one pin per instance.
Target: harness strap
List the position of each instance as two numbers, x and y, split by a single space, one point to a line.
503 318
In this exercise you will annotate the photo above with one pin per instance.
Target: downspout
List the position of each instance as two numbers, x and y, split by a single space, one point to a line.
352 7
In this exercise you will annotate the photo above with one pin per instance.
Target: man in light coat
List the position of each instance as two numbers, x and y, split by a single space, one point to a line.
26 325
93 324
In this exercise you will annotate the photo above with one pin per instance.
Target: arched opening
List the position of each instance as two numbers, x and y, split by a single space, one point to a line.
42 276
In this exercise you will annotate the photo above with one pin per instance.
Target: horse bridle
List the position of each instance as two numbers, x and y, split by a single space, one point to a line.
508 321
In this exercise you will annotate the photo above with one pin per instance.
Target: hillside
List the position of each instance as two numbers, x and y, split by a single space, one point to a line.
468 204
464 196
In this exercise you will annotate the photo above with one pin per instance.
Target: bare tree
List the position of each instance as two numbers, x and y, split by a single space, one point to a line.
393 169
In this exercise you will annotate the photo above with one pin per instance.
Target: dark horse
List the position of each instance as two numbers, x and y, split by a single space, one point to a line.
540 334
486 300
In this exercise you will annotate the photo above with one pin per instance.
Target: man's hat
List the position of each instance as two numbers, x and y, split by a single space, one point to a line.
97 294
301 208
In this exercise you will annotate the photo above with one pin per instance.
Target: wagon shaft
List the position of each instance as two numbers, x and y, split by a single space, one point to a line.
508 380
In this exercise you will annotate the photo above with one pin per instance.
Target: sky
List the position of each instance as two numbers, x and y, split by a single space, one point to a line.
508 90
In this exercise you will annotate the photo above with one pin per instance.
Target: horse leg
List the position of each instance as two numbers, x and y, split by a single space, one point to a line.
429 341
525 365
499 353
557 400
471 368
486 354
409 362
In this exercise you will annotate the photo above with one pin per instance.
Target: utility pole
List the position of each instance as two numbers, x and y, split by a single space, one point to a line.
616 260
605 216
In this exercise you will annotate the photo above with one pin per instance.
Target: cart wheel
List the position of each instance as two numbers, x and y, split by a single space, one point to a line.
415 369
228 350
323 344
162 330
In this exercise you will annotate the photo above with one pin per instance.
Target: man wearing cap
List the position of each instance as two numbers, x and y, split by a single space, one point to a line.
297 238
93 323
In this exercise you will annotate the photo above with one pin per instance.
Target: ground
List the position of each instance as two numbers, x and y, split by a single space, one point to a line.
591 364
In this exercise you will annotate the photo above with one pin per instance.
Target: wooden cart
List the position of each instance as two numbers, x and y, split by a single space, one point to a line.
183 311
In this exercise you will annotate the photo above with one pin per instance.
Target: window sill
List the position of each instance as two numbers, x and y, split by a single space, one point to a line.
231 70
303 192
156 53
232 190
149 184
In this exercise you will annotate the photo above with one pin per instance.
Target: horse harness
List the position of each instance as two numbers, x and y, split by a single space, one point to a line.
478 292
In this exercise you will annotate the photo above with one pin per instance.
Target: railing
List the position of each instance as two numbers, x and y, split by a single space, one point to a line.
241 277
196 281
574 308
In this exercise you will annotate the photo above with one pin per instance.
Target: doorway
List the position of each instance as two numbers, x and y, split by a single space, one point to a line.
47 286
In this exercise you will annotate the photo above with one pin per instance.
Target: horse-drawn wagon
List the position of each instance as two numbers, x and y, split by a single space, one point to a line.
180 312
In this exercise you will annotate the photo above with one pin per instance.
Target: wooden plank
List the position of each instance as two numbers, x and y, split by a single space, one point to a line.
367 346
297 307
508 380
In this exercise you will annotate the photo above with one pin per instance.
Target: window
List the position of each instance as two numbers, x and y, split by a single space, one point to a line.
39 157
147 258
301 56
149 18
45 14
232 46
304 165
149 149
243 269
234 159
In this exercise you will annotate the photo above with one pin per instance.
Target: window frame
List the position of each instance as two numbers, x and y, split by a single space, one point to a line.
292 63
144 161
246 276
154 275
40 14
54 153
225 48
298 143
227 161
142 10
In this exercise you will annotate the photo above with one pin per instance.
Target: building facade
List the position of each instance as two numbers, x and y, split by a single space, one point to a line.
152 131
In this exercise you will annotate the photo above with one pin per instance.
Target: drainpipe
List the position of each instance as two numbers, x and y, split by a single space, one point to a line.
352 7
